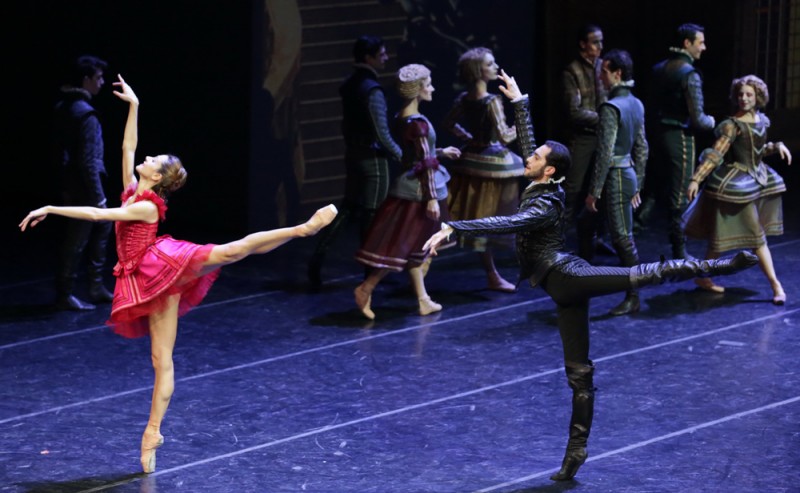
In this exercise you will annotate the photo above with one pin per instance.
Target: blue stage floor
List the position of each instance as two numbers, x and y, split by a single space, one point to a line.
281 389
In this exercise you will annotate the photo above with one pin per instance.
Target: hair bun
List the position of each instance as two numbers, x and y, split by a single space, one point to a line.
410 79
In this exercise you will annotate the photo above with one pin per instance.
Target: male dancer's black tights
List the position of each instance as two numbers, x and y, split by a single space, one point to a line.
572 293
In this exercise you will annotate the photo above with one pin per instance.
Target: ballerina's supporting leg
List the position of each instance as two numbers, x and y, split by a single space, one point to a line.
163 329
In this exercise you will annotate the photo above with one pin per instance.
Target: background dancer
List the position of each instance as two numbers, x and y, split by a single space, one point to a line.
417 200
485 180
740 204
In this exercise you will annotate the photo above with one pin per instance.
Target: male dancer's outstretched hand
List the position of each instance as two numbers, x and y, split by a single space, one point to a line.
511 90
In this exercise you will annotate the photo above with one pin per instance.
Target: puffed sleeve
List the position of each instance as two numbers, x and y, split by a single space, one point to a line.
425 162
715 155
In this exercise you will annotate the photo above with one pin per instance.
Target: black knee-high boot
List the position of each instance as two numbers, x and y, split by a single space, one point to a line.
581 382
681 270
629 256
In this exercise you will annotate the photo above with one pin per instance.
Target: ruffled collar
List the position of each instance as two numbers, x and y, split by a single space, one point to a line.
146 195
76 92
366 66
681 51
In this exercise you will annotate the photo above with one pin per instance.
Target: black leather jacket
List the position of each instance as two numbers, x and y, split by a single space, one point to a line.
538 224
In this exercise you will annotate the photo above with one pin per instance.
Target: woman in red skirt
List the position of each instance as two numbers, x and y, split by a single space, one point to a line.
160 278
417 201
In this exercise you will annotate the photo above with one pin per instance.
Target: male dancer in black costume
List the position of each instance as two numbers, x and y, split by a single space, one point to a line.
569 280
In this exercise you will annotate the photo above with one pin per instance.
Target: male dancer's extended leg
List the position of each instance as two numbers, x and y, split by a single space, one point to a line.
571 287
570 284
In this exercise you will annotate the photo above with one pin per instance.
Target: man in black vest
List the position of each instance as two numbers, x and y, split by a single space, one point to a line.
678 103
368 144
79 152
621 159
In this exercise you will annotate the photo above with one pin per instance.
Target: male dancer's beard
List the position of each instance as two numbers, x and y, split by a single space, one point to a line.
538 176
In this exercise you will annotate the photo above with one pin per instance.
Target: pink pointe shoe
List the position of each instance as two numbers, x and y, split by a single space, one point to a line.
320 219
150 442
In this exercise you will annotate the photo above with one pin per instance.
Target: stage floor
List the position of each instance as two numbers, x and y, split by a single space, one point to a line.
283 389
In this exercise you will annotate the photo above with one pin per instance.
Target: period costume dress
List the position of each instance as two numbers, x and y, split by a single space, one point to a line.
151 269
401 226
486 178
740 204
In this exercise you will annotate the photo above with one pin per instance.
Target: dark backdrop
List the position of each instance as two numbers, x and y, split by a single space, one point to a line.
191 62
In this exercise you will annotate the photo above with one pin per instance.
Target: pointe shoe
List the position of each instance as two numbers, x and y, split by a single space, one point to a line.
428 306
569 467
320 219
707 284
779 297
497 283
363 301
149 445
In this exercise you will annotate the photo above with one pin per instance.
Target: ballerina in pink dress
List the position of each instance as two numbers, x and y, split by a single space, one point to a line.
161 278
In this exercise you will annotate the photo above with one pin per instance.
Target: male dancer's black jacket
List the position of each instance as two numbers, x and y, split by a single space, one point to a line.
538 224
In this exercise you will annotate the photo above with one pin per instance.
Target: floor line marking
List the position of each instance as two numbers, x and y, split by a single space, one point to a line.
275 358
468 393
649 441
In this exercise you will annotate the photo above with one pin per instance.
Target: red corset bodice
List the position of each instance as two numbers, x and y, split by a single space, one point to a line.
133 237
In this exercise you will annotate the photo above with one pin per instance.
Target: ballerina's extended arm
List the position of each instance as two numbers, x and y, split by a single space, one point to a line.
140 211
131 136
